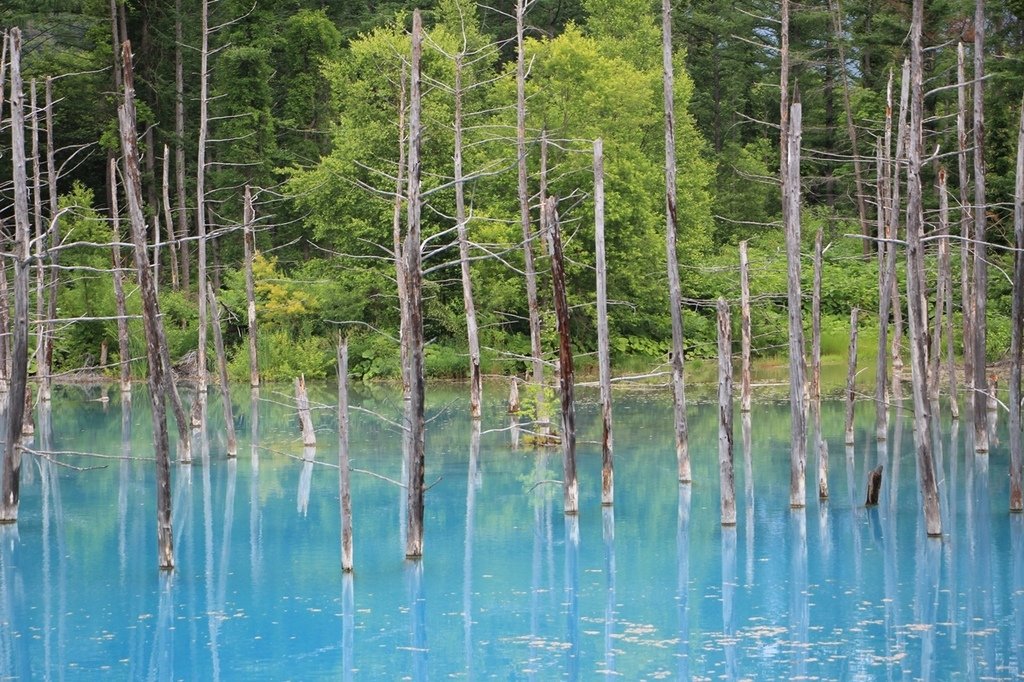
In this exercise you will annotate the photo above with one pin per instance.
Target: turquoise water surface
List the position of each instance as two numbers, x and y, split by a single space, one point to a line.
509 588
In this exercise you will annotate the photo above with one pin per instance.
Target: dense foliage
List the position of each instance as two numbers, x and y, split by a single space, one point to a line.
305 107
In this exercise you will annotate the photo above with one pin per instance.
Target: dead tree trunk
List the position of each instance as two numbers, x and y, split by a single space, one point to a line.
884 288
344 473
172 243
980 226
122 319
19 348
524 217
941 293
150 312
222 371
851 129
874 486
745 340
5 357
916 304
414 307
604 362
396 235
1017 330
851 375
40 238
674 289
816 320
204 78
966 220
179 149
472 334
798 429
46 371
727 484
249 239
893 233
570 486
302 406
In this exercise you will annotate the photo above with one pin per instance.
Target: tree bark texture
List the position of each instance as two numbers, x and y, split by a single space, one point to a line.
798 429
980 226
122 320
570 485
604 362
1017 331
745 336
727 483
204 98
851 376
249 240
19 332
344 473
674 287
966 221
150 312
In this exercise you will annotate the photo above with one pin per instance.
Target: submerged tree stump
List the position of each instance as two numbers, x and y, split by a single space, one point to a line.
874 486
302 404
725 441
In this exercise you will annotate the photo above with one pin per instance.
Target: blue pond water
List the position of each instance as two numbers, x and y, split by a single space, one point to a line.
509 587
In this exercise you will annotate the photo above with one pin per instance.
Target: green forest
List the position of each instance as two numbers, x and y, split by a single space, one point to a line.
307 102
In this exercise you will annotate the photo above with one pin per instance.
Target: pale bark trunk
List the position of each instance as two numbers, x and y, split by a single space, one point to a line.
980 226
124 354
46 370
172 243
798 428
396 236
894 223
204 77
917 311
472 333
302 407
1017 330
249 239
603 344
941 293
727 484
816 320
851 129
570 485
524 218
414 307
884 288
672 224
966 220
222 371
40 236
150 313
851 376
19 332
745 340
179 149
5 357
344 473
154 205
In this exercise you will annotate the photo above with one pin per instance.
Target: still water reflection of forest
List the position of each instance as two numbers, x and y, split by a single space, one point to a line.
653 588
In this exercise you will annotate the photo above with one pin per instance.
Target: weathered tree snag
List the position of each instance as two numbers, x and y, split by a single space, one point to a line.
570 486
894 223
941 294
414 307
745 340
473 337
874 486
46 369
204 98
529 268
396 234
249 239
916 303
798 429
513 396
5 357
302 406
851 129
172 243
966 220
19 332
124 354
884 290
1017 330
980 226
604 362
179 148
851 375
150 311
344 474
816 320
672 224
727 483
40 234
222 371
